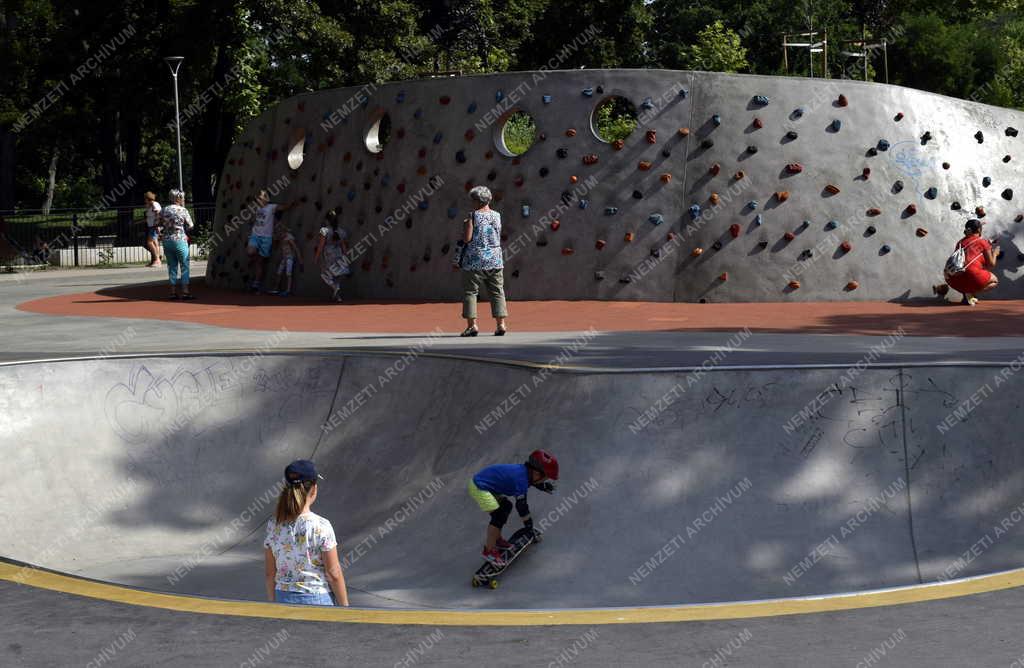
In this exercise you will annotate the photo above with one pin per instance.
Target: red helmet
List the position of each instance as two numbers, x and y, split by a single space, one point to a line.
543 462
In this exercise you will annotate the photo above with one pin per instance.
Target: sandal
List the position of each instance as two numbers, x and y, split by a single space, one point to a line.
470 331
500 331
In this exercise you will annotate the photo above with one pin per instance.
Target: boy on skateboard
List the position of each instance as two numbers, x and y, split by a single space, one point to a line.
492 486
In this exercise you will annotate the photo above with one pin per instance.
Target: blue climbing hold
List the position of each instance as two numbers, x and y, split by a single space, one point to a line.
584 203
761 99
883 145
694 211
588 92
931 193
424 204
648 103
758 220
804 225
385 180
471 108
886 248
452 212
752 205
836 125
683 93
499 96
716 119
546 99
798 112
831 225
438 137
526 210
351 195
655 219
460 156
400 98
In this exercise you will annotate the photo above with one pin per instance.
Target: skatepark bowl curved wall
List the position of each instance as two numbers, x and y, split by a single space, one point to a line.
676 487
666 217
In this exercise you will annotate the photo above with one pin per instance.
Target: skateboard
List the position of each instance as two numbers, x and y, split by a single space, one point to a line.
521 540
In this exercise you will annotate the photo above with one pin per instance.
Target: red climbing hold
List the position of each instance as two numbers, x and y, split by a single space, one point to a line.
666 177
758 123
979 212
555 224
782 195
591 159
846 246
367 265
842 101
670 236
794 168
852 285
445 99
715 168
629 237
600 243
832 189
567 251
400 187
874 211
724 276
921 232
739 175
652 136
618 144
571 132
644 165
866 172
911 209
734 230
422 153
519 181
468 185
789 236
470 134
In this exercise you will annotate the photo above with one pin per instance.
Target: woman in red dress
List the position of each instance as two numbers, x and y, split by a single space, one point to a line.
980 258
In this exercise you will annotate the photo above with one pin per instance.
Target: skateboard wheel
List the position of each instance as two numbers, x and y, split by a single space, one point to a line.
493 584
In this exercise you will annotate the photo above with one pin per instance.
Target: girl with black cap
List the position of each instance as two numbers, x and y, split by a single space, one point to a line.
300 550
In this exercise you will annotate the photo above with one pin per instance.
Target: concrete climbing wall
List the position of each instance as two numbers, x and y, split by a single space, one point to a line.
732 187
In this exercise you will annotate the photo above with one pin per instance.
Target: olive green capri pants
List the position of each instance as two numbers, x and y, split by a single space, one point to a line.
493 281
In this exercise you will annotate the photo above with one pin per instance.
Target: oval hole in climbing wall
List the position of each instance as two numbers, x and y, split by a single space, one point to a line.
379 132
613 118
517 132
296 148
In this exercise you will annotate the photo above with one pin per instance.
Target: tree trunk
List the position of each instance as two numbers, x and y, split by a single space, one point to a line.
51 182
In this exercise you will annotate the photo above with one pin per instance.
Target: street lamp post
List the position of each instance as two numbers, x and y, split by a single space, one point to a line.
174 62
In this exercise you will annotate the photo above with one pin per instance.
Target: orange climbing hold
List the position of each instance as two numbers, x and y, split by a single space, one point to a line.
794 285
571 132
666 177
714 198
629 237
422 170
852 285
567 251
684 132
644 165
697 252
652 136
573 178
782 195
832 189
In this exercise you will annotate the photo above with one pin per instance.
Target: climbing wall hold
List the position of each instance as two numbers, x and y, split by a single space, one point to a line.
1007 194
670 236
793 285
1011 132
574 179
832 189
618 144
652 136
445 99
422 170
697 252
758 220
886 248
546 99
555 224
955 206
666 177
655 252
789 236
757 123
1007 158
836 125
716 120
831 225
899 116
738 176
846 246
460 156
761 100
910 210
543 171
499 95
874 211
986 181
648 103
714 169
694 211
655 219
590 159
782 195
883 145
598 275
980 136
637 194
979 211
626 280
716 246
724 276
791 135
714 199
684 132
611 210
842 101
752 205
666 152
644 165
683 92
797 113
707 143
926 137
734 230
794 168
562 152
806 255
871 230
583 203
438 137
921 232
872 152
525 210
751 149
542 242
567 251
897 187
588 92
931 193
629 237
945 165
600 243
571 132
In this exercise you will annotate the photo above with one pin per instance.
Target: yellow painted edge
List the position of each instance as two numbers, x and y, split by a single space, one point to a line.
68 584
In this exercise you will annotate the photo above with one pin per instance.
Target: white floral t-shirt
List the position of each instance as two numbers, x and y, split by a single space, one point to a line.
298 549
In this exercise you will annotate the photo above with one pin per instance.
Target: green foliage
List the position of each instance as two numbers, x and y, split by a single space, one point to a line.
717 49
615 119
519 133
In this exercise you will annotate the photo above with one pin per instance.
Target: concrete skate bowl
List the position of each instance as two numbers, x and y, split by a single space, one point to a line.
677 487
894 172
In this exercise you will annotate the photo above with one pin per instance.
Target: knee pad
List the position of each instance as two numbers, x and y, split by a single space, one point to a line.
500 516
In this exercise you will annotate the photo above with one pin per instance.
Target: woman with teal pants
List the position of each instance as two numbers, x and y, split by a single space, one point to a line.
175 221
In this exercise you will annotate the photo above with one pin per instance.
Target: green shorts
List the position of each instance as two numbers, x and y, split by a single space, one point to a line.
487 501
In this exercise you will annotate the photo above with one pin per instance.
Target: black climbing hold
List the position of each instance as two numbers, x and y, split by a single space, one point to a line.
492 175
408 224
791 135
655 252
637 194
926 137
562 153
542 242
566 197
886 248
1007 158
931 193
625 280
986 181
955 206
883 145
460 156
871 230
751 149
515 273
806 255
1008 194
717 245
979 136
1011 132
445 248
598 275
707 143
762 244
666 152
544 171
600 90
897 187
872 152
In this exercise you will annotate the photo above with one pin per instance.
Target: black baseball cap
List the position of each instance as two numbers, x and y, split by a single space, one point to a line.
301 470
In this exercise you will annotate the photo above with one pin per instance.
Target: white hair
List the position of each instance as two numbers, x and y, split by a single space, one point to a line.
481 195
177 194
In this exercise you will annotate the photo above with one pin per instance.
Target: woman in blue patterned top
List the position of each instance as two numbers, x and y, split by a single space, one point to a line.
481 262
175 222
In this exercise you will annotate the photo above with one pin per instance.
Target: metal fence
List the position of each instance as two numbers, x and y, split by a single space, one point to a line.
84 237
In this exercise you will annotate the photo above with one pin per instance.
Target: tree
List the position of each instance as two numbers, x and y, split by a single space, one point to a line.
718 49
